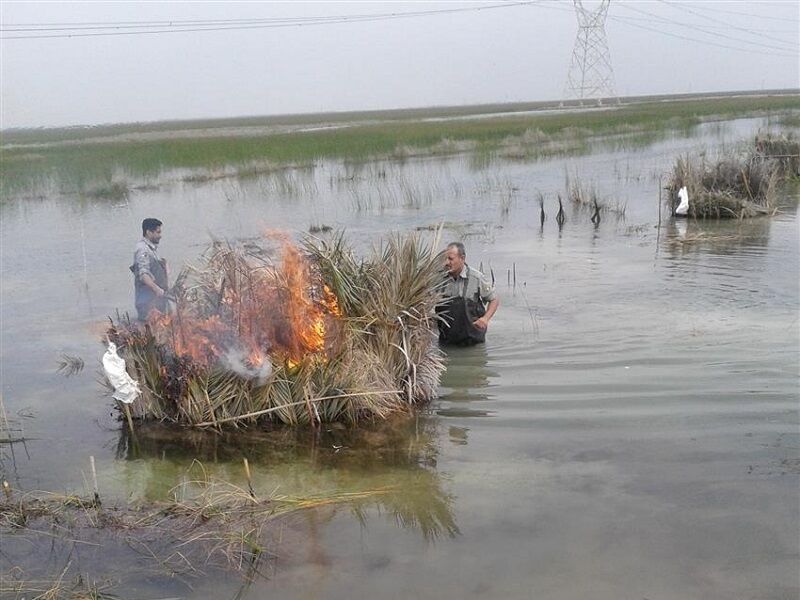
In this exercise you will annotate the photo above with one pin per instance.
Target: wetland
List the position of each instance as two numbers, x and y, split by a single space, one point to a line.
629 430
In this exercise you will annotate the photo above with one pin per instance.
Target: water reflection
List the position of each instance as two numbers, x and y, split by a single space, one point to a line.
732 237
458 435
399 457
384 472
465 382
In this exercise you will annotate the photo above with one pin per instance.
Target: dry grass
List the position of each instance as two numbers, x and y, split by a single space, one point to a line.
209 525
14 585
703 236
219 524
585 197
740 184
10 429
784 149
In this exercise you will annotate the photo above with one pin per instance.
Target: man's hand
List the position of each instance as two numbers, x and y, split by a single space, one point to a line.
481 323
159 292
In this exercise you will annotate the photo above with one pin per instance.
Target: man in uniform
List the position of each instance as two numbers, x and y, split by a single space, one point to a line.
149 271
470 301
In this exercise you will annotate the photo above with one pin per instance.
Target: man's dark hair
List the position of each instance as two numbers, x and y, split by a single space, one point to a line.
150 225
458 246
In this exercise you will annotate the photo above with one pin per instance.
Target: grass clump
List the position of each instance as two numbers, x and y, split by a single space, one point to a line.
587 197
741 184
115 190
316 337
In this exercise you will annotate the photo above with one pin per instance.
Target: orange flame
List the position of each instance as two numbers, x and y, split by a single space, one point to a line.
286 312
306 314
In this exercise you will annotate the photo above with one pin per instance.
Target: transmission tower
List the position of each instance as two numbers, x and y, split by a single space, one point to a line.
590 73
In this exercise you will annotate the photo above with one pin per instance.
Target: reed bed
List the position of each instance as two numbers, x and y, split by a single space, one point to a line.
741 184
361 140
783 149
319 336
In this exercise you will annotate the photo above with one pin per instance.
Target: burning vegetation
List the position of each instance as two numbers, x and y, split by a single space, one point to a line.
740 185
315 336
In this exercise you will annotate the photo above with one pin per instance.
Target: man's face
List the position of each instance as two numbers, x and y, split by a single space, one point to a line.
153 235
453 262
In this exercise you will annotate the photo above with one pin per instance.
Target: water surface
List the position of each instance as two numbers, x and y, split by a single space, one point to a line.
630 429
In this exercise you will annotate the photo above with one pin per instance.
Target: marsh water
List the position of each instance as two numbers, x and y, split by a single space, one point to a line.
629 430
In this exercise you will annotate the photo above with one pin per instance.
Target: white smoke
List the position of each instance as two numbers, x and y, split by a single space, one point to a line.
236 360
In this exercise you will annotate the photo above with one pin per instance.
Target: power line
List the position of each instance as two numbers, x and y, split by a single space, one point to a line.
143 27
750 30
183 23
707 31
631 21
751 15
726 27
187 26
625 21
67 25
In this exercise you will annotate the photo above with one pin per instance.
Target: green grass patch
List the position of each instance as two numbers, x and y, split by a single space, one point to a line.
76 167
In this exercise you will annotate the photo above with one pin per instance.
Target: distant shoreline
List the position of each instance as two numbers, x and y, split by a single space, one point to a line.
287 123
111 160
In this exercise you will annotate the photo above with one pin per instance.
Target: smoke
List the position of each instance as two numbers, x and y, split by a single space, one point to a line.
240 362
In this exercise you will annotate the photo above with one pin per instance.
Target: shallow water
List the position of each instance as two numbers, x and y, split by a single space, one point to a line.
630 429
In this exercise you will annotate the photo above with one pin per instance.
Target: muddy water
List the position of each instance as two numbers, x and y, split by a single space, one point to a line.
630 429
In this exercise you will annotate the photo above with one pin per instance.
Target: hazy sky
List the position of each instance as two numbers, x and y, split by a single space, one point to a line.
516 52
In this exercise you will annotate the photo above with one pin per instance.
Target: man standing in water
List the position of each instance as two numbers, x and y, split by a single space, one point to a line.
470 301
149 271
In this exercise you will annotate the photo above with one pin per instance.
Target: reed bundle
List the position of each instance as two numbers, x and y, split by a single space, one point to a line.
740 184
319 336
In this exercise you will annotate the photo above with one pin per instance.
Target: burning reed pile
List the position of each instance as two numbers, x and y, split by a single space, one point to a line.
317 336
739 185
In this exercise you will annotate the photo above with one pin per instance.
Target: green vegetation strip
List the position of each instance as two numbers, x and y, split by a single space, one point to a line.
72 165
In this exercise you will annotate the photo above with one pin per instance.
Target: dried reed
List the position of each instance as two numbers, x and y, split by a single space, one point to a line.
208 523
740 184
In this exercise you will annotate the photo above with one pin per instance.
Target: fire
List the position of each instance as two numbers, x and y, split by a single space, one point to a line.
195 338
256 358
283 311
330 301
311 307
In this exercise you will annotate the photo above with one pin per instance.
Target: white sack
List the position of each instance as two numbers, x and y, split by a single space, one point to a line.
125 388
683 207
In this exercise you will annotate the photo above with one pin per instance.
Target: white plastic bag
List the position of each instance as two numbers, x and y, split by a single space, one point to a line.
125 388
683 207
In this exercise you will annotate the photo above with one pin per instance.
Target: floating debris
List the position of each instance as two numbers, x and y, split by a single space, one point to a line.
69 365
11 431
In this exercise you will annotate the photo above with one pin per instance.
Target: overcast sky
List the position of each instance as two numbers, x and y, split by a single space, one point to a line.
453 56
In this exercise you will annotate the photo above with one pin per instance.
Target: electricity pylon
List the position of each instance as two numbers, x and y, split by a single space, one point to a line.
590 73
